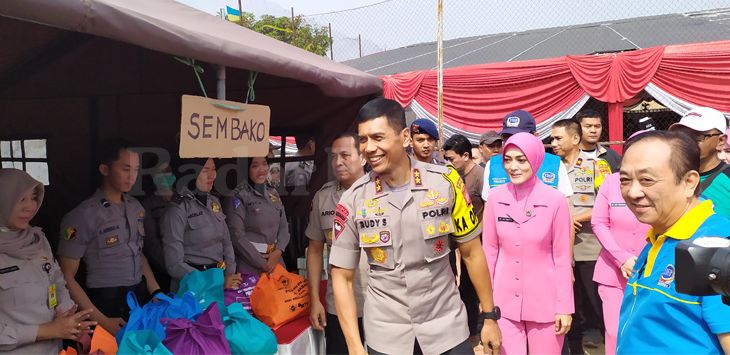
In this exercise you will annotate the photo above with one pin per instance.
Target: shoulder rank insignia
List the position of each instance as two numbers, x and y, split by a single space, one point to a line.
417 177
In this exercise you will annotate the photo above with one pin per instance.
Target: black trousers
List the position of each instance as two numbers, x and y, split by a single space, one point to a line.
462 349
112 301
588 306
334 337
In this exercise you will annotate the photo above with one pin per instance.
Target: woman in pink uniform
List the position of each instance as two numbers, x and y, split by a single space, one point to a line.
526 235
622 237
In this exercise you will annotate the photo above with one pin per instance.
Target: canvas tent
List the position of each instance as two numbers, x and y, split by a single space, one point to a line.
74 72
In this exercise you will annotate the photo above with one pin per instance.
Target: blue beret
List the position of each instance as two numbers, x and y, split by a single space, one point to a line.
424 125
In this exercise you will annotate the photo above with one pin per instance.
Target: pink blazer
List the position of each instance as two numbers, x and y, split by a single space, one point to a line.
528 254
618 231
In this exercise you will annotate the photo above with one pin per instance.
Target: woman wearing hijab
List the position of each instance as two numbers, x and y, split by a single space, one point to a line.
193 227
36 311
622 238
526 235
257 221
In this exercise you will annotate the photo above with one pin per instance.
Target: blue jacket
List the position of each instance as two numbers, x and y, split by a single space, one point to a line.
548 172
655 318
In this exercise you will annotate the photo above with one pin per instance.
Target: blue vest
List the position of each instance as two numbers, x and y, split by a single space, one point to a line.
548 172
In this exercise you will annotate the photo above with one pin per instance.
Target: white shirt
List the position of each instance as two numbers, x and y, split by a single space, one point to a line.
563 182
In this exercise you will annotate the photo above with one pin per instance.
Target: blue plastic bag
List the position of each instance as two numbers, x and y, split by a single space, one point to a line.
246 334
148 316
206 286
142 342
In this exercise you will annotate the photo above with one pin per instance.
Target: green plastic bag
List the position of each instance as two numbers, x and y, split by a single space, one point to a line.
246 334
206 286
142 342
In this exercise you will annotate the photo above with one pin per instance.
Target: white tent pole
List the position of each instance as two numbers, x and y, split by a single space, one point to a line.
221 72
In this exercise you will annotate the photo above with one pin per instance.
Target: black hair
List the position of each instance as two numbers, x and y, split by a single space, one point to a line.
302 140
378 107
109 150
685 155
459 144
349 134
587 113
570 125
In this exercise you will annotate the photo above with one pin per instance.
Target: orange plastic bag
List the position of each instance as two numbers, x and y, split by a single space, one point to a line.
103 341
280 297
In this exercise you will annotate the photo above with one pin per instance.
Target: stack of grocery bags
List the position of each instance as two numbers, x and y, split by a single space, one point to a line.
203 318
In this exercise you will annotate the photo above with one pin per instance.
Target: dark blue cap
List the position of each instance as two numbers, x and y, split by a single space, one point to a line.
517 122
424 125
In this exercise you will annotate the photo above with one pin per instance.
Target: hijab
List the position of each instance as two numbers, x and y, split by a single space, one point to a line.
531 146
534 151
29 242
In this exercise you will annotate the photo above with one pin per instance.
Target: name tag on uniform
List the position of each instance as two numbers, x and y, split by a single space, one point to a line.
505 219
10 269
52 299
618 204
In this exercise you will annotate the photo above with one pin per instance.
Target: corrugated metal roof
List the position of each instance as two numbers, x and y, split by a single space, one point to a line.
612 36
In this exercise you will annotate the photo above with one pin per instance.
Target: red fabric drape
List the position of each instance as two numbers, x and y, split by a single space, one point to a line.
697 73
476 97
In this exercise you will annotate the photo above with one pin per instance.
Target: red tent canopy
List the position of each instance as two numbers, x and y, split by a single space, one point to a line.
477 97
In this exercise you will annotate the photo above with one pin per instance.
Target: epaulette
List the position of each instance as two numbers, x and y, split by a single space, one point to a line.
327 185
440 169
179 198
362 180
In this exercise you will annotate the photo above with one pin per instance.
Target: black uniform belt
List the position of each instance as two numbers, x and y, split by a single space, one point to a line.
203 267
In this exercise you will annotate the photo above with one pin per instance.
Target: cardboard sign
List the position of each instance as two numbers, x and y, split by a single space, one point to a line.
212 128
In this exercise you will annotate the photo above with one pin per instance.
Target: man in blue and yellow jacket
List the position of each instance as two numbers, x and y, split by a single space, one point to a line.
659 180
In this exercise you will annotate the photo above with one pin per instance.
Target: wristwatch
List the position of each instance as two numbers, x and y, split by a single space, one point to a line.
495 314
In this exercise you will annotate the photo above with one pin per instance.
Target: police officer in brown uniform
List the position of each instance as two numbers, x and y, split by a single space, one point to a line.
256 221
347 165
586 174
36 311
403 214
107 232
194 231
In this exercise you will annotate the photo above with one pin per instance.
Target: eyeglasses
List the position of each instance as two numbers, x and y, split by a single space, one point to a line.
702 136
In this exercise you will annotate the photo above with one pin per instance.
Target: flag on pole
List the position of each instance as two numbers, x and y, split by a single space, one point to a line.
232 14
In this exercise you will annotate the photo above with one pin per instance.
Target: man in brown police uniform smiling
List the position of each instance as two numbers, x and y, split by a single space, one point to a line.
403 214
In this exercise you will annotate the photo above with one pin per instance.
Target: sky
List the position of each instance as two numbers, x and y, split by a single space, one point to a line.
377 25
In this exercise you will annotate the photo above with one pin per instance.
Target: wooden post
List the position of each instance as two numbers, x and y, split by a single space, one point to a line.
332 53
240 13
440 64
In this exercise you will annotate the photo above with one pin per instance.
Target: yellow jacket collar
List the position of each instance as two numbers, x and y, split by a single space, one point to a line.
687 225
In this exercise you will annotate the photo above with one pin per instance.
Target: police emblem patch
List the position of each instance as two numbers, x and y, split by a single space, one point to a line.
141 214
69 233
666 278
427 203
112 240
369 238
444 227
439 246
236 202
273 198
215 207
430 229
385 236
378 255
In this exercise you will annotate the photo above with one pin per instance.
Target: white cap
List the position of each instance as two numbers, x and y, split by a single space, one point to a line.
703 119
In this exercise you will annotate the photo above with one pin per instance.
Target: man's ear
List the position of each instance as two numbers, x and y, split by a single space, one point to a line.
691 180
405 134
104 170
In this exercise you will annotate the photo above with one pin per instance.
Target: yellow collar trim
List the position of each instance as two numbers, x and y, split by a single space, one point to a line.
687 225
